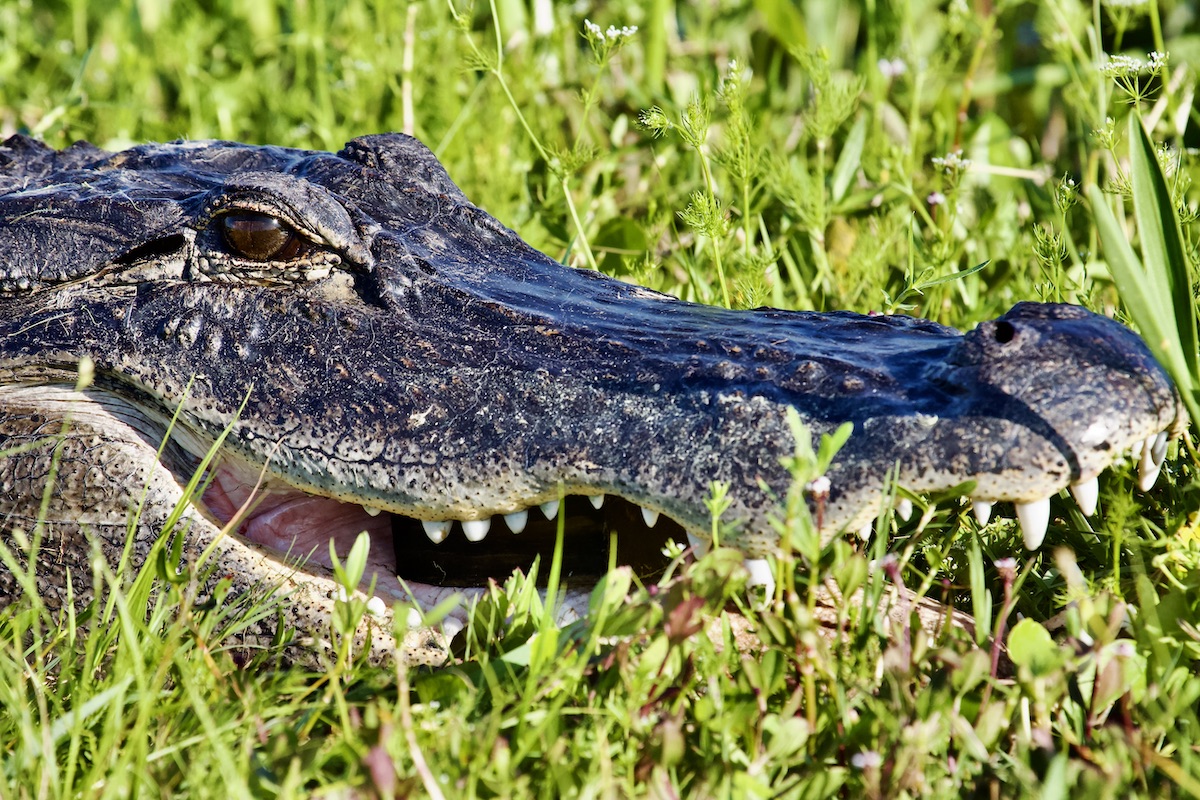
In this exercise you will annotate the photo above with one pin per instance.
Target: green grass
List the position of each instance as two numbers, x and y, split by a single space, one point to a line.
804 177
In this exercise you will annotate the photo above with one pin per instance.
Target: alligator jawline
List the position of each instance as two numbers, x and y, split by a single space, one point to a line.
300 526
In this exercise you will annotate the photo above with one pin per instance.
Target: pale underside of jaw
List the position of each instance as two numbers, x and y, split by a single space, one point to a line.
301 527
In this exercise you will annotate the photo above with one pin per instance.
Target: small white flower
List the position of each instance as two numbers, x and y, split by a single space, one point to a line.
819 486
592 30
952 162
1122 66
867 759
615 34
892 68
935 198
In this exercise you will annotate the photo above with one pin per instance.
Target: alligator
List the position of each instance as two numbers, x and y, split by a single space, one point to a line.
330 343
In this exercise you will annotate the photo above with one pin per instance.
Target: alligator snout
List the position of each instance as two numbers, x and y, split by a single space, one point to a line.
372 352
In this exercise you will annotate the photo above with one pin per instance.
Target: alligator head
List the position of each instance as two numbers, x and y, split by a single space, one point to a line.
373 352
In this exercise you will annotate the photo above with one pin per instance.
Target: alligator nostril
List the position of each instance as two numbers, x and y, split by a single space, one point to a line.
1004 332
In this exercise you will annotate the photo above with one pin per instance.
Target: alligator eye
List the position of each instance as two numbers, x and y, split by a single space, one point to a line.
1004 332
261 237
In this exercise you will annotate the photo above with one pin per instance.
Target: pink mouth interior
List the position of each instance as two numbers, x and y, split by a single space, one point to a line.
300 527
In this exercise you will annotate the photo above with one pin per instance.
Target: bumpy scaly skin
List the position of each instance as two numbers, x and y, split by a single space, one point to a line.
419 358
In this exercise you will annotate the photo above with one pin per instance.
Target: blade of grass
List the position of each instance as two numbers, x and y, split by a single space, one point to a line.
1161 240
1145 297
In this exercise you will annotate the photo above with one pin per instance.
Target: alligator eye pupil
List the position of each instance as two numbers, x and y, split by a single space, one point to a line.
1004 332
259 237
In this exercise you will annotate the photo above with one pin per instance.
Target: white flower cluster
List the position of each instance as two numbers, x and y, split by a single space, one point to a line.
1124 3
1122 66
952 162
613 35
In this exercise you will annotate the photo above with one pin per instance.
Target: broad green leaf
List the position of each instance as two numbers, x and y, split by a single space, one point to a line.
1162 243
1030 645
1144 298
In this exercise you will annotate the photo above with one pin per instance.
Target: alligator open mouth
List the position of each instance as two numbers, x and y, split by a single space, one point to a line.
430 557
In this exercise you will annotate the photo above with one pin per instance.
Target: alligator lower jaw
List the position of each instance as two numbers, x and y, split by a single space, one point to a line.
423 563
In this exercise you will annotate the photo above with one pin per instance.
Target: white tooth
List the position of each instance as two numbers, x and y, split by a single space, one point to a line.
414 618
760 574
1086 494
698 544
372 510
451 627
650 517
865 531
1147 474
904 508
549 509
476 529
516 520
1034 517
436 531
596 500
1137 449
1148 468
376 606
982 510
1159 451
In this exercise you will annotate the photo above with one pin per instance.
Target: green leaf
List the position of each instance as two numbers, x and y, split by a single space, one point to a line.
1030 645
849 159
1162 242
1145 296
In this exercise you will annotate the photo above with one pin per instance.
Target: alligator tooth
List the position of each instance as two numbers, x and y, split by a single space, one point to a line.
372 510
865 531
1159 451
436 531
1034 517
476 529
1137 449
982 510
1147 476
516 520
1085 494
596 500
413 617
650 517
904 508
549 509
760 574
376 606
698 544
1148 467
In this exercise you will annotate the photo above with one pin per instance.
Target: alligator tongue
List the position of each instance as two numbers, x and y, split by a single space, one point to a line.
588 538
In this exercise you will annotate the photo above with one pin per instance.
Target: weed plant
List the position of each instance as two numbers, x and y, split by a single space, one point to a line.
937 159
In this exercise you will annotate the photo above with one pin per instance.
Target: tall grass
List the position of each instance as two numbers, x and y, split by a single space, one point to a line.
937 159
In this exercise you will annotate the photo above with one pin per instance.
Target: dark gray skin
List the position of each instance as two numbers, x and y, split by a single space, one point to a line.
406 352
